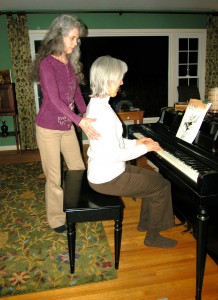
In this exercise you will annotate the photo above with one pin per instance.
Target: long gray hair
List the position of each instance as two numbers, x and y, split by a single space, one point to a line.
105 70
53 44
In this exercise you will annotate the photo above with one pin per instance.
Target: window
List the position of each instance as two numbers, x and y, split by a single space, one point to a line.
188 62
186 55
146 82
35 39
191 61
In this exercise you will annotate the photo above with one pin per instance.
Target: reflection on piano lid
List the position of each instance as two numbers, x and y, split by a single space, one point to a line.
171 119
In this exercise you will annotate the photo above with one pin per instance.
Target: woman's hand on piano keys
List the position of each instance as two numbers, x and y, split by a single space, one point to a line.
150 144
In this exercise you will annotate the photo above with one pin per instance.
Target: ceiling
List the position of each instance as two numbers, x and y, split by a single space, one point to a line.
199 6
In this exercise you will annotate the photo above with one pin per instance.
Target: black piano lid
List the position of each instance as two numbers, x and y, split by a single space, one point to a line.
207 137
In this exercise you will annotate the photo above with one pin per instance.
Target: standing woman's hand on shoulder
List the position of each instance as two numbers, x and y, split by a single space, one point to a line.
86 126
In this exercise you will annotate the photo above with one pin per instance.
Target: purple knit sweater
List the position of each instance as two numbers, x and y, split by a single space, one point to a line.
61 93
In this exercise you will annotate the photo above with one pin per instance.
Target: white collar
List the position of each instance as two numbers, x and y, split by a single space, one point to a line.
103 100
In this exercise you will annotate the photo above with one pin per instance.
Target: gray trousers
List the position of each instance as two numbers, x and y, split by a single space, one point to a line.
156 207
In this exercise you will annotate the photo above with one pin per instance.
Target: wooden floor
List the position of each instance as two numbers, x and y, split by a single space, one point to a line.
145 273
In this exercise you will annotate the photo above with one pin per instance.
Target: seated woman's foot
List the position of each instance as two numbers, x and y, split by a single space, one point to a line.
141 228
161 242
60 229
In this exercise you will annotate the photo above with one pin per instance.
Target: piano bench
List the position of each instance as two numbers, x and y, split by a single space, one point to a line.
83 204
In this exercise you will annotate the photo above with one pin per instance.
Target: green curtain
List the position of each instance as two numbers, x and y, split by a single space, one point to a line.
211 80
20 53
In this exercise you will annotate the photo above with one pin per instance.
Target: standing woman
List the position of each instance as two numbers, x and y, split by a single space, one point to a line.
58 70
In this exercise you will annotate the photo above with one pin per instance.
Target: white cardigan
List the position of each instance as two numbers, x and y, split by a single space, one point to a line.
108 154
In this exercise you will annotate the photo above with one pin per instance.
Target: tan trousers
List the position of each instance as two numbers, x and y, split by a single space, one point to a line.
51 143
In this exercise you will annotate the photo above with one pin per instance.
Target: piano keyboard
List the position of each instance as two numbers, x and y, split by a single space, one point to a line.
176 162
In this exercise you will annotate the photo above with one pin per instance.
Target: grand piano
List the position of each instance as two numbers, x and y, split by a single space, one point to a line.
193 172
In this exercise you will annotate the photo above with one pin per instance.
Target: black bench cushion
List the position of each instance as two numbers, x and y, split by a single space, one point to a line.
79 196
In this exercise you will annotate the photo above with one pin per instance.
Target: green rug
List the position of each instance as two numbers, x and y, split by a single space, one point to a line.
33 257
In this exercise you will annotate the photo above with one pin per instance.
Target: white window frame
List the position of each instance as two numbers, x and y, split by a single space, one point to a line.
201 57
173 34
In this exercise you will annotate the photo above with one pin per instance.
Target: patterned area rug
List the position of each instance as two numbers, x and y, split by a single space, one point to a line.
32 256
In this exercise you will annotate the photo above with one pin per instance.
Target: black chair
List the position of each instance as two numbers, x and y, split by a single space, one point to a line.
83 204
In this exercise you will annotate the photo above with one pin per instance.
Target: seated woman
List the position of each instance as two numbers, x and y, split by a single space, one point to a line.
108 172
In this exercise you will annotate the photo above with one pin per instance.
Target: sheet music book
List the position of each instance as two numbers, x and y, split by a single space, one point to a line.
192 120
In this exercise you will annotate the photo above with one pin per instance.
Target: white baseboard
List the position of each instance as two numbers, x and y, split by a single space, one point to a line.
145 121
8 148
150 120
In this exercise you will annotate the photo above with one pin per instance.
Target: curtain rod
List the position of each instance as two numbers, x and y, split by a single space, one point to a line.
120 12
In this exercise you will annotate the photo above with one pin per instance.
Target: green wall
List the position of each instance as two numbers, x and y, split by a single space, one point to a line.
110 20
98 21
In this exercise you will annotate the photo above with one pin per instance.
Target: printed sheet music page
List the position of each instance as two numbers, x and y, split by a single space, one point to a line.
192 120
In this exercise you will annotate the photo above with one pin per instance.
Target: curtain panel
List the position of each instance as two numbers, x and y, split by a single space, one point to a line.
21 57
211 80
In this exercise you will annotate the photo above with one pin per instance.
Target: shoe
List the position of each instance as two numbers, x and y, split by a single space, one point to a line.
60 229
160 242
141 228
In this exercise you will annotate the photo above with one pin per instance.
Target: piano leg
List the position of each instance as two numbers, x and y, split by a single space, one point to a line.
202 221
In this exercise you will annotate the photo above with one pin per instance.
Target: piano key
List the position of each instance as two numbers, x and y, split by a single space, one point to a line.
176 162
138 135
180 165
